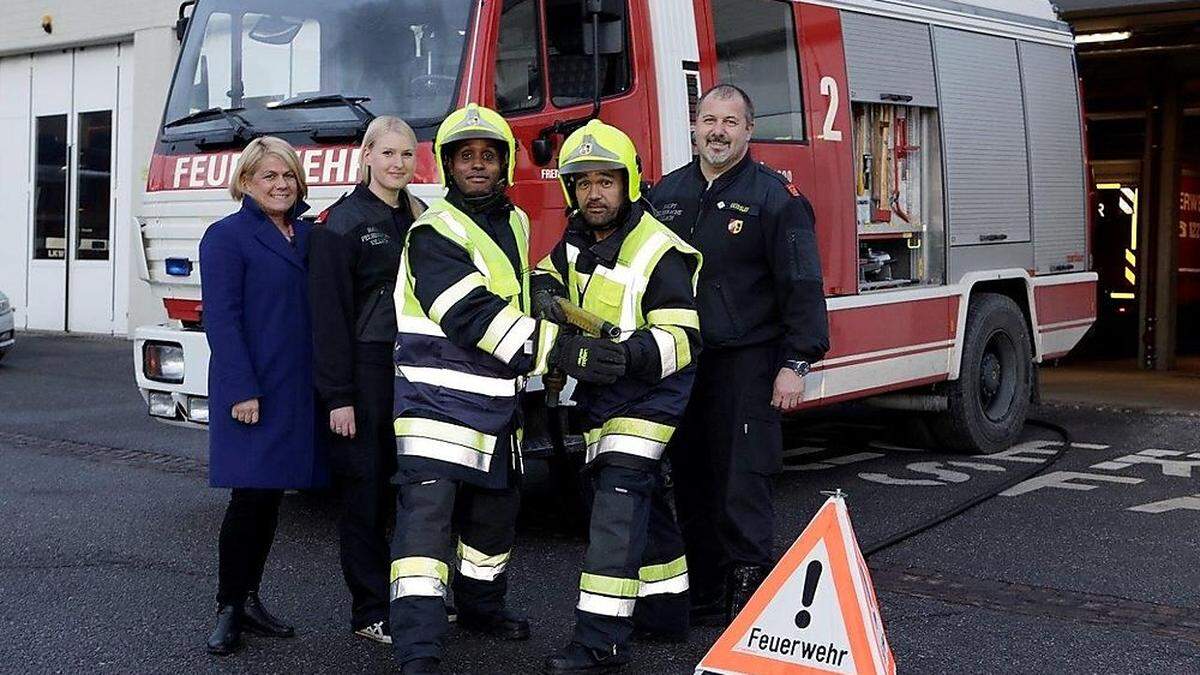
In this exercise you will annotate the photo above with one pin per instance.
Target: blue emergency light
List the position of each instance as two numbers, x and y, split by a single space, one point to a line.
179 267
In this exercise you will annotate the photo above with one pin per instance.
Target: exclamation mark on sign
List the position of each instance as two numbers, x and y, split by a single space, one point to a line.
812 574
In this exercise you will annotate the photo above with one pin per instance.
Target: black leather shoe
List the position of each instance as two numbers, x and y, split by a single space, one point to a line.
578 658
504 625
422 666
743 581
257 620
227 636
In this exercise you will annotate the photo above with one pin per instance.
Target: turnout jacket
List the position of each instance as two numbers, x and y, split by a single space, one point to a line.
642 278
762 275
465 342
353 260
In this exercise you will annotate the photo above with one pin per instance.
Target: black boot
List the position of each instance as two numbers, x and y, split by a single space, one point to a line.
578 658
257 620
422 666
709 608
504 624
227 636
743 581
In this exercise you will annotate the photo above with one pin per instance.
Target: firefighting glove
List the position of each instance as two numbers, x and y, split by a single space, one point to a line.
544 289
589 359
545 306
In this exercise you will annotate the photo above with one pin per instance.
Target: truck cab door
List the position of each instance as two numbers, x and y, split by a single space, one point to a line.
789 58
537 77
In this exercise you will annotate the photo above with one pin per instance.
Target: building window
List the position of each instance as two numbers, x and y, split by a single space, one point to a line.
50 189
95 185
756 50
518 53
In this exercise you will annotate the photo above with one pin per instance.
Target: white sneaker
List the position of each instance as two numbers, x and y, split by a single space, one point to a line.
377 632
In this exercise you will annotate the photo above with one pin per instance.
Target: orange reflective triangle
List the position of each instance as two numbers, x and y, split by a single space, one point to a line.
815 613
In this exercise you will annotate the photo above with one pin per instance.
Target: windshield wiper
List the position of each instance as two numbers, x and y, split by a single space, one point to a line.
242 128
354 103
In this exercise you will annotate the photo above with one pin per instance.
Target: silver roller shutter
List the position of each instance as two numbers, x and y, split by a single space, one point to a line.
983 126
886 57
1055 158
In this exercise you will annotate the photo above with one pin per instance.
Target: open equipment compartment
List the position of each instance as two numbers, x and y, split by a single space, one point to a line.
899 198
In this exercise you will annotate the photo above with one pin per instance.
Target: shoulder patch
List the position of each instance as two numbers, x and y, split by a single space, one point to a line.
795 191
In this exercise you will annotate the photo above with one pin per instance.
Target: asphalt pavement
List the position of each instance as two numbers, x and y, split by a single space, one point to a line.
108 555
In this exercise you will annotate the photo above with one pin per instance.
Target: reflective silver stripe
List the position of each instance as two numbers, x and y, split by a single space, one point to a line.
547 335
418 586
480 572
629 445
431 448
666 350
455 227
605 605
457 291
418 325
453 379
677 584
498 327
517 336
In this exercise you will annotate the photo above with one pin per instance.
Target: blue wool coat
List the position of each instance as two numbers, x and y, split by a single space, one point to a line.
256 318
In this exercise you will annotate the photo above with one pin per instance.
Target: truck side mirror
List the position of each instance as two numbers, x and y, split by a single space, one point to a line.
181 23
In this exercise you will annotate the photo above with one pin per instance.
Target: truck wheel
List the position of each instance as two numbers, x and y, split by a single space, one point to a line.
987 404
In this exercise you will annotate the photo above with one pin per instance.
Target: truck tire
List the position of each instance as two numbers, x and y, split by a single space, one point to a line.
987 404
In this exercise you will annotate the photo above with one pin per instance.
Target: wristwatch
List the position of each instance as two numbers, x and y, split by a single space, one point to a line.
800 368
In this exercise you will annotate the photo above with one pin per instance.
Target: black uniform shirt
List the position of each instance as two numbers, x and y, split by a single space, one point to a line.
353 258
761 279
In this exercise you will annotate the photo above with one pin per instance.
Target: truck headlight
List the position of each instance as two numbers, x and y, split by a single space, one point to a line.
163 362
161 404
197 409
4 305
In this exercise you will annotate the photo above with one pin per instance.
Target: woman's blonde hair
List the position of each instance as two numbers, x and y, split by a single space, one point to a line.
378 127
256 151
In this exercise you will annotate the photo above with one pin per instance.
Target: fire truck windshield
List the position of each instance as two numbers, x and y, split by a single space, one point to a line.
388 57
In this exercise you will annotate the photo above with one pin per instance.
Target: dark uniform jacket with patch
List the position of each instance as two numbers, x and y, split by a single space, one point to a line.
761 279
353 259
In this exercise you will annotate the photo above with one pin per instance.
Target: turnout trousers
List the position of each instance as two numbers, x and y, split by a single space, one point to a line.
362 468
634 572
424 553
723 457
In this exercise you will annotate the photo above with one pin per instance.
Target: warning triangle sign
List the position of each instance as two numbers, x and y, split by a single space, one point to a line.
815 613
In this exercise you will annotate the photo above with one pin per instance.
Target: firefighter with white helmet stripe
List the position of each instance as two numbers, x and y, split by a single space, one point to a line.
464 347
618 262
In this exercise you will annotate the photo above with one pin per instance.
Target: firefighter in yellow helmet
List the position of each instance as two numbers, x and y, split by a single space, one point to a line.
619 262
464 347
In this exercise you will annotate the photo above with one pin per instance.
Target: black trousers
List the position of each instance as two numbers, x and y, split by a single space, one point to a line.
723 457
363 467
634 574
424 556
247 533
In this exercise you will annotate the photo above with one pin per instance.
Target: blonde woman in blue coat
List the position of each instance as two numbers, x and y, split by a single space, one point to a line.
262 433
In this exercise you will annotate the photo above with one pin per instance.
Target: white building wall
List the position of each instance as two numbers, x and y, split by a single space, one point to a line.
79 22
146 30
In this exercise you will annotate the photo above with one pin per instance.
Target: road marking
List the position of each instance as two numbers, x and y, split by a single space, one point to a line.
1061 480
977 465
830 462
1170 467
1190 503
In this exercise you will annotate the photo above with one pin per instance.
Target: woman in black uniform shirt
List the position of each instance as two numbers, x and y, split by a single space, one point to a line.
353 261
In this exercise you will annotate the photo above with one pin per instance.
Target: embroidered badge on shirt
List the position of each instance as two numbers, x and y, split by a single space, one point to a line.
735 226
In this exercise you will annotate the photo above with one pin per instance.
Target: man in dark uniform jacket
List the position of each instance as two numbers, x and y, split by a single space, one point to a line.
763 322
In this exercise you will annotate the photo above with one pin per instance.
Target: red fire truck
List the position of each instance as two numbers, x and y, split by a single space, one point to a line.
940 144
